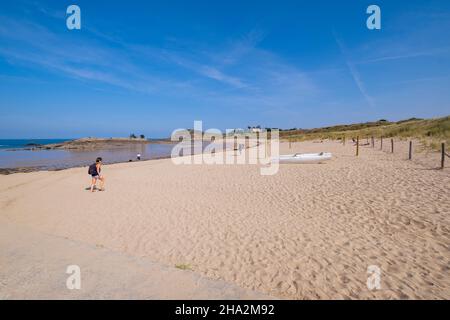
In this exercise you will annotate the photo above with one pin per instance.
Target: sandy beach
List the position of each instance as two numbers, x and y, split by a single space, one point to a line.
308 232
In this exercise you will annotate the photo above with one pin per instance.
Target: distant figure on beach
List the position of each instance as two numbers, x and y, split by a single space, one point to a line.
241 146
138 156
94 171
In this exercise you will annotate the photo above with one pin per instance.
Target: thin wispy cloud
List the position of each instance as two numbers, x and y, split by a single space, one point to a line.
37 46
428 53
215 74
418 80
205 70
155 70
240 47
354 73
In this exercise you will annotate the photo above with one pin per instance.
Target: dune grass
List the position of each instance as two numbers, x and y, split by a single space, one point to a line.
183 267
430 131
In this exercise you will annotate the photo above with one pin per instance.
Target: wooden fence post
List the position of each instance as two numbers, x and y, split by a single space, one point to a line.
357 146
265 146
442 155
410 150
343 140
381 148
392 145
373 142
290 141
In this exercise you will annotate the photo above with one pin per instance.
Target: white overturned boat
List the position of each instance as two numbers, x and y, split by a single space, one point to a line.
303 158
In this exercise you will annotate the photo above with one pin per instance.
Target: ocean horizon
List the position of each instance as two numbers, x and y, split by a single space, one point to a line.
24 143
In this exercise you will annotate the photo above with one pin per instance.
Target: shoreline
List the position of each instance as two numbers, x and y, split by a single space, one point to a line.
9 171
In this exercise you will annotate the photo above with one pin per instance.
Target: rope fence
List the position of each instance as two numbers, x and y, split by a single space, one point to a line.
444 154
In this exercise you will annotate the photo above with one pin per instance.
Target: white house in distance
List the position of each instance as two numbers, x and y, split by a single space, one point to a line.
255 129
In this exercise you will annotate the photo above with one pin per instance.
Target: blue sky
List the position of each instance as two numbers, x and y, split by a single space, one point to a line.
154 66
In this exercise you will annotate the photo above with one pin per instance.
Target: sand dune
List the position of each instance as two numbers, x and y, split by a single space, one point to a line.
308 232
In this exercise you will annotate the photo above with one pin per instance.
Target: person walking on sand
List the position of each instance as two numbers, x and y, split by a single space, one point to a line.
94 171
241 147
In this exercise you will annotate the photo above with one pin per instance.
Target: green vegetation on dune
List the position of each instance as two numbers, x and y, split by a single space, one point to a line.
183 266
431 131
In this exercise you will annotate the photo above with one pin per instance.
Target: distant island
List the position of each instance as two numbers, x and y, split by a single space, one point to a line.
90 144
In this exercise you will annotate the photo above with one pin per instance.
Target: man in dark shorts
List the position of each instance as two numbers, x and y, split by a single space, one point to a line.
94 171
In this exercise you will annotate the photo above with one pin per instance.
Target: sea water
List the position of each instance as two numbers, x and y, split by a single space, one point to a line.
18 153
25 143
